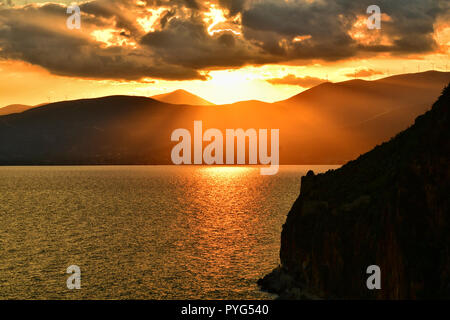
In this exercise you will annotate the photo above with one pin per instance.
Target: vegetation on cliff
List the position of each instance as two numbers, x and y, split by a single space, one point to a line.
390 208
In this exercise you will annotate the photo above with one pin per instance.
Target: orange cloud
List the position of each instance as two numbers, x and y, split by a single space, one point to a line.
292 80
363 73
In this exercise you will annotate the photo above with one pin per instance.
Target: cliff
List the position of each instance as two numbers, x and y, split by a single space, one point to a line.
390 207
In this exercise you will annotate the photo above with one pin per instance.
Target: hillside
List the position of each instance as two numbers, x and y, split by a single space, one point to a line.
390 207
14 108
182 97
110 130
367 113
315 126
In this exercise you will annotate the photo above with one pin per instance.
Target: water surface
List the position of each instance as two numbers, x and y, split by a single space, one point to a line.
142 232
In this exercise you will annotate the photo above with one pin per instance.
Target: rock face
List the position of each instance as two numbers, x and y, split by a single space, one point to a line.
390 208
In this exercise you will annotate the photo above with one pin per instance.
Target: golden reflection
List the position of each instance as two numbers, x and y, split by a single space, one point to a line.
225 171
232 218
224 212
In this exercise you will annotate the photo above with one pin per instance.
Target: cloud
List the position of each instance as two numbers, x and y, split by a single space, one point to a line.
233 6
29 34
292 80
362 73
184 39
186 42
328 24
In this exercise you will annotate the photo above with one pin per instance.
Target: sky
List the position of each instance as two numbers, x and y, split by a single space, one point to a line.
222 50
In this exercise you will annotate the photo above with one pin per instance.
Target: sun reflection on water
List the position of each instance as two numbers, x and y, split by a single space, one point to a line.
149 232
226 171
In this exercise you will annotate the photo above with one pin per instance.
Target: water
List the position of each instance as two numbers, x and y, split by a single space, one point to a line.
142 232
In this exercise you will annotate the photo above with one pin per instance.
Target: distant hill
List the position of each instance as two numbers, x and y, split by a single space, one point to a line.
182 97
328 124
353 116
389 207
14 108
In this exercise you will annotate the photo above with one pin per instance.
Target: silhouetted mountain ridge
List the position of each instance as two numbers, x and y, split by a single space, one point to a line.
390 208
329 124
14 108
181 96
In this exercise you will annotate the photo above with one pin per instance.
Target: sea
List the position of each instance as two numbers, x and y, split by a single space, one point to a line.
142 232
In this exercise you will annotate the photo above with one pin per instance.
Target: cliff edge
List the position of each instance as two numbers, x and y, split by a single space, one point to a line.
390 208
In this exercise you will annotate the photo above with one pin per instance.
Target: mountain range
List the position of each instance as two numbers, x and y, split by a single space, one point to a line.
388 208
182 97
327 124
14 108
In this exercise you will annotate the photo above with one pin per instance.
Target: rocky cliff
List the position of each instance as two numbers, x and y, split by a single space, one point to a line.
390 208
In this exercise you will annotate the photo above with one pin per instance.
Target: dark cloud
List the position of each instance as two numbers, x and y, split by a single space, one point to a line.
181 47
233 6
25 36
186 42
292 80
192 4
274 24
100 13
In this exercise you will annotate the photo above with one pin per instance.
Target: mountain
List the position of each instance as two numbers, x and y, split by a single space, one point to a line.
360 114
109 130
389 208
182 97
315 127
14 108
